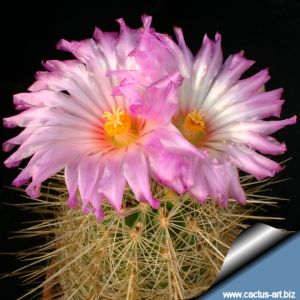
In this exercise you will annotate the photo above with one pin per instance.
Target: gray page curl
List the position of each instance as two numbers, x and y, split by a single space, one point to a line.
249 245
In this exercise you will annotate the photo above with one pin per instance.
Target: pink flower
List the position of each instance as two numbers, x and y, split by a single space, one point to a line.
73 120
221 114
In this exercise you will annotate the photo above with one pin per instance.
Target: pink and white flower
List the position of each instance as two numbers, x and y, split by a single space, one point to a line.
221 114
75 119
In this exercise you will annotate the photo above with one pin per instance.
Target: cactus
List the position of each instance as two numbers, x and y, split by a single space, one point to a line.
174 252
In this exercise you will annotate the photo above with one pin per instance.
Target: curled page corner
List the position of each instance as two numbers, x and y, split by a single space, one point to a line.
250 244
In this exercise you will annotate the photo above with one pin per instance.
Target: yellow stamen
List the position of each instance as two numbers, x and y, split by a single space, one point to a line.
117 122
194 122
192 126
119 127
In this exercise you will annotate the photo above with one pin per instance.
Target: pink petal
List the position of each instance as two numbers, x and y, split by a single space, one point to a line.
259 126
137 175
112 183
200 189
249 161
92 92
48 116
83 50
157 102
25 174
266 145
71 179
53 161
206 66
147 20
260 106
184 64
44 164
153 57
75 174
170 156
218 180
27 149
18 140
172 139
106 42
165 165
188 56
235 189
230 72
241 91
60 100
127 40
90 172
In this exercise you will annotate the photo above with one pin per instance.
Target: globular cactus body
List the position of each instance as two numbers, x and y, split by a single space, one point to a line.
174 252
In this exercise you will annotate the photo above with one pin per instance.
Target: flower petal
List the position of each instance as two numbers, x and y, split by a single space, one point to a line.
170 157
231 71
137 175
266 145
218 180
241 91
206 66
49 163
235 189
18 140
249 161
112 183
157 102
259 126
71 179
90 172
164 166
187 54
260 106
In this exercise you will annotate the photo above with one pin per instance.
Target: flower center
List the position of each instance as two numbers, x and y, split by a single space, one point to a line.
194 122
117 122
192 126
120 128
